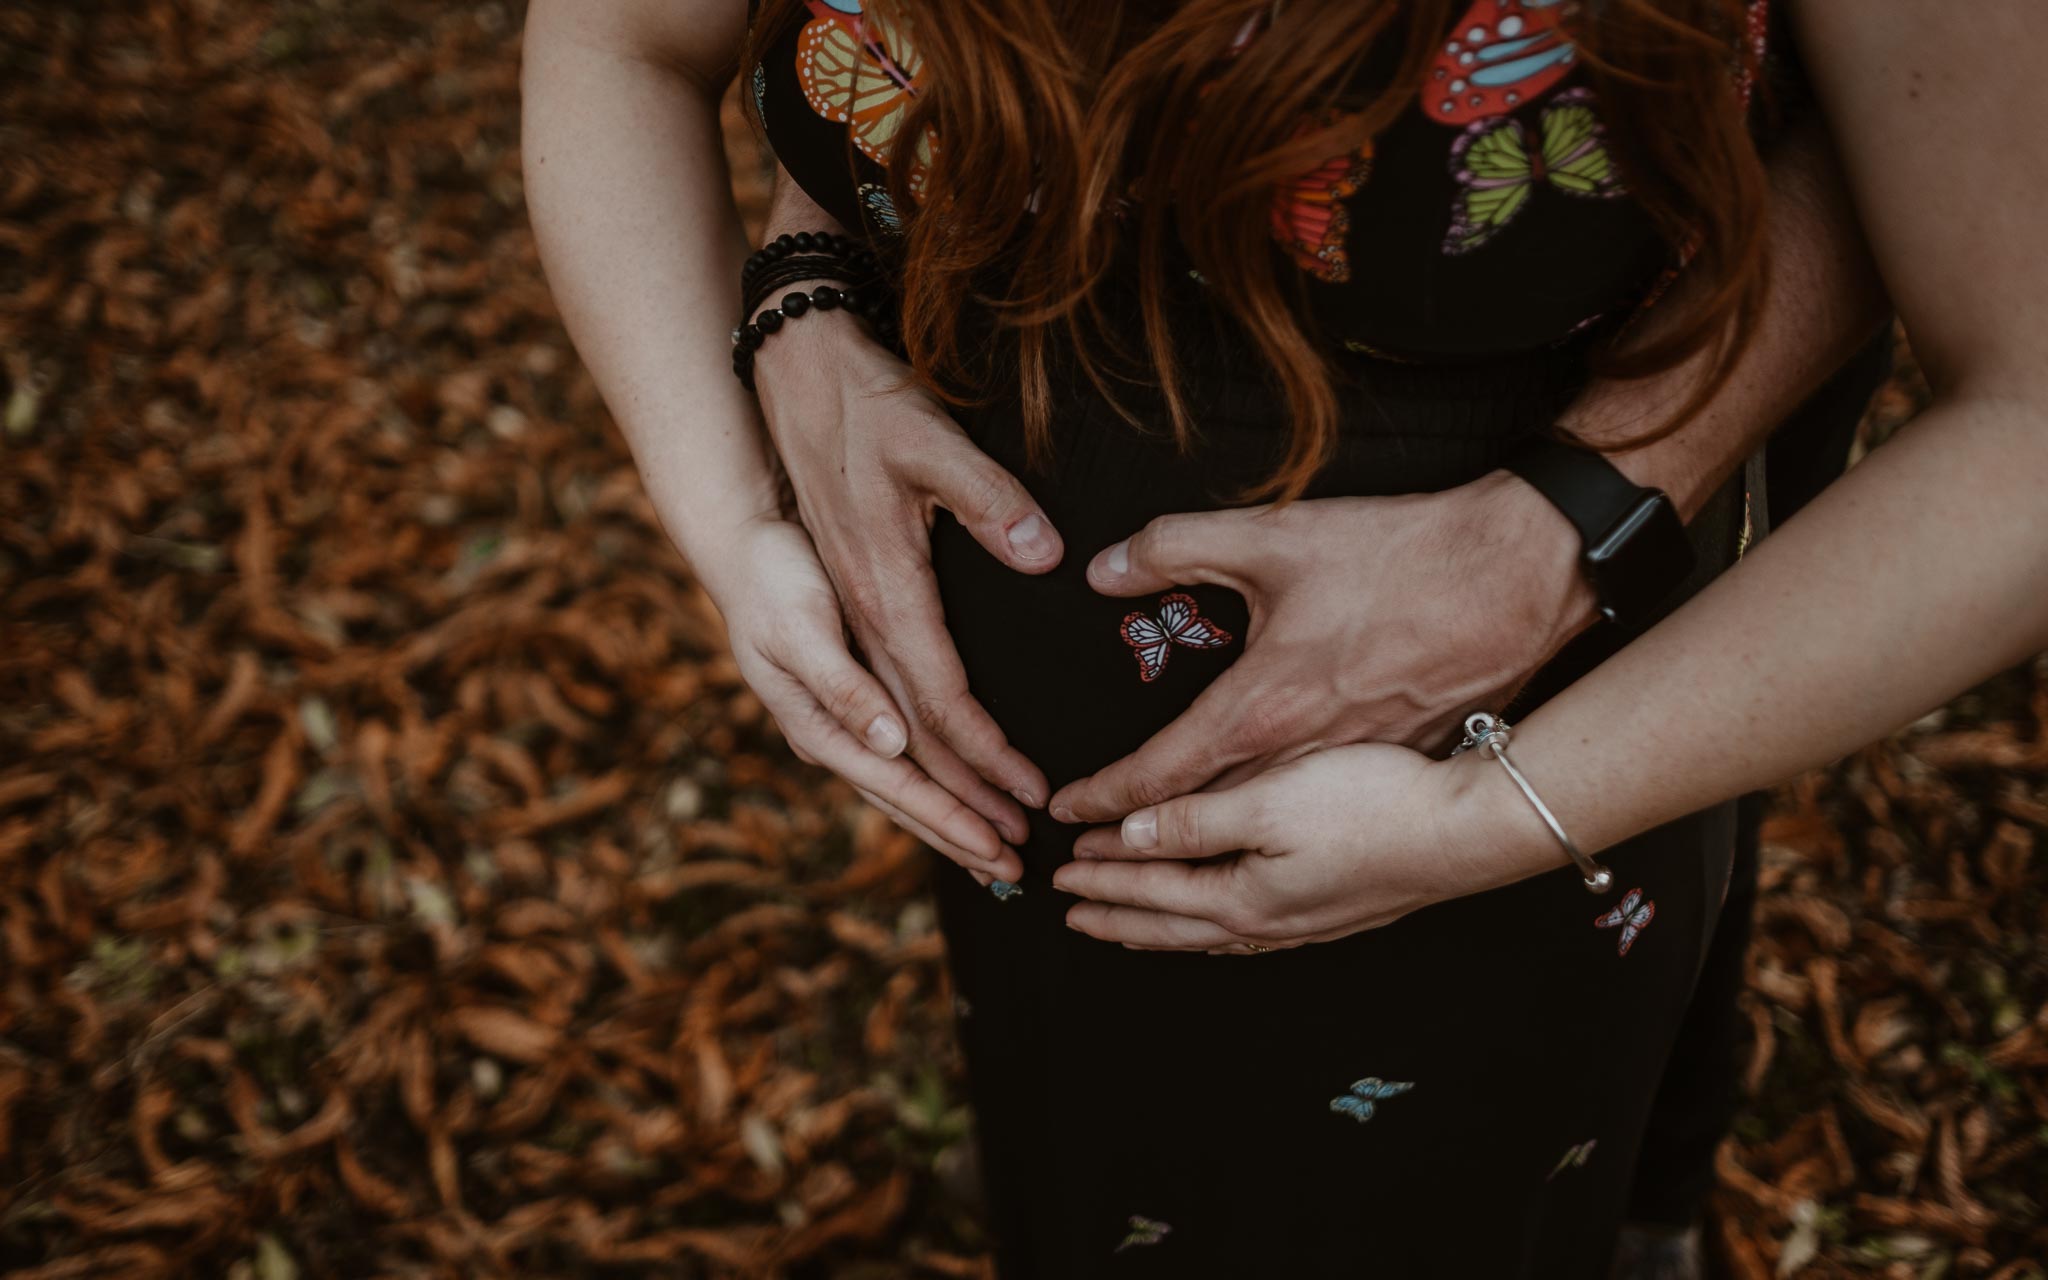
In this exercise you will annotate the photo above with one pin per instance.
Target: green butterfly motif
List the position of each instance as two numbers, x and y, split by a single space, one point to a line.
1575 1158
1498 173
1144 1230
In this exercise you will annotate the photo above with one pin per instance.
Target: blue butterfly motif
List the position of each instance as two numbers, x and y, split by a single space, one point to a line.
1359 1103
1004 890
881 207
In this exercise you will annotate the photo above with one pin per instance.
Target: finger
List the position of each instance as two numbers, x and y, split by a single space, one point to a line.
1201 742
1204 892
935 692
1195 826
901 783
946 768
1208 546
991 505
853 697
1135 926
1009 867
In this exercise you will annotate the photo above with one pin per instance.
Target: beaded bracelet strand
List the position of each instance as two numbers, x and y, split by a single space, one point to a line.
783 246
857 271
803 256
869 304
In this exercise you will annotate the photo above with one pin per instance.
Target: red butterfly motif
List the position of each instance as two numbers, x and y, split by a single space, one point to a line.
1179 622
1632 916
1501 54
1308 214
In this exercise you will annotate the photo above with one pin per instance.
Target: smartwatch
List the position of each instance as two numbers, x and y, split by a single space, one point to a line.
1633 546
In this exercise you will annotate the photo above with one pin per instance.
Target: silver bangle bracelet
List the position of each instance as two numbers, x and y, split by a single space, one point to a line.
1490 734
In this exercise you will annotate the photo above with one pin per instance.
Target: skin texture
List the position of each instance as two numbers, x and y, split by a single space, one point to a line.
626 178
1906 581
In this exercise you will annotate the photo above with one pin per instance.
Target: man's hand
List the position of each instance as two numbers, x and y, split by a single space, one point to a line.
1372 619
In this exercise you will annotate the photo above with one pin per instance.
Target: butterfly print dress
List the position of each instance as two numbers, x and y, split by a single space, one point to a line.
1393 1103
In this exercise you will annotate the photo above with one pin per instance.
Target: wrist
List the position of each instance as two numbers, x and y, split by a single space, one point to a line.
1548 556
1485 812
819 338
720 556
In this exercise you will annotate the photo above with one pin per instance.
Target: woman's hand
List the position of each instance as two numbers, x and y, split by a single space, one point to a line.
870 458
1372 619
1346 839
784 624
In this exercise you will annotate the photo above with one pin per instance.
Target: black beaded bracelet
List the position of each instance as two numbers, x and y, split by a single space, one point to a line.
857 270
804 242
870 304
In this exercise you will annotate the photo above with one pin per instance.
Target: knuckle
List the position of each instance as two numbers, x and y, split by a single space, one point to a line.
841 690
1145 785
861 595
1162 539
933 710
984 491
1270 720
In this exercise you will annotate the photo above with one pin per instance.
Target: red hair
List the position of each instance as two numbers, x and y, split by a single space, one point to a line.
1042 112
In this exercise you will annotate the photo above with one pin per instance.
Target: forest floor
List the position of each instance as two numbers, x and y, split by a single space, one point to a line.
396 878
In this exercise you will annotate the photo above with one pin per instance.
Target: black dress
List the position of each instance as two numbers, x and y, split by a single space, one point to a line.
1463 1092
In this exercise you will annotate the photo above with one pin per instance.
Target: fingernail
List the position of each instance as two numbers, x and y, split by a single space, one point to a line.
1030 537
1116 562
1026 797
1141 829
1003 890
886 736
1062 813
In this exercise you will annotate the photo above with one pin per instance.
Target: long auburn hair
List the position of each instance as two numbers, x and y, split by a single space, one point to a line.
1041 113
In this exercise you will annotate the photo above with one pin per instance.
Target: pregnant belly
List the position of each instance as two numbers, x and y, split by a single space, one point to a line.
1077 679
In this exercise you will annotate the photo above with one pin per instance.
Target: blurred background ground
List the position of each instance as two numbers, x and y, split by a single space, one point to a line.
395 878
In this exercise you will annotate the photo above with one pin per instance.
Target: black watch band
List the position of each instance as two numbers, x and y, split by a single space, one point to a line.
1633 546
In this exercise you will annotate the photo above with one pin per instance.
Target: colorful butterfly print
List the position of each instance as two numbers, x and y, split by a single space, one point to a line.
1359 1103
1575 1158
1501 55
1144 1230
1497 172
881 207
1309 218
1004 890
1179 622
1633 915
857 69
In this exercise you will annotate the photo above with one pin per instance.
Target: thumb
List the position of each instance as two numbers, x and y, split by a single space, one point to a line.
1211 546
992 506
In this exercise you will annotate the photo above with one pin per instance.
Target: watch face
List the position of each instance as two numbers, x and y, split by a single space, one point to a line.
1640 560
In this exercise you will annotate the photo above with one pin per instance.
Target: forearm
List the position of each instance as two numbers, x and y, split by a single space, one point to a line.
631 207
1914 576
1825 300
